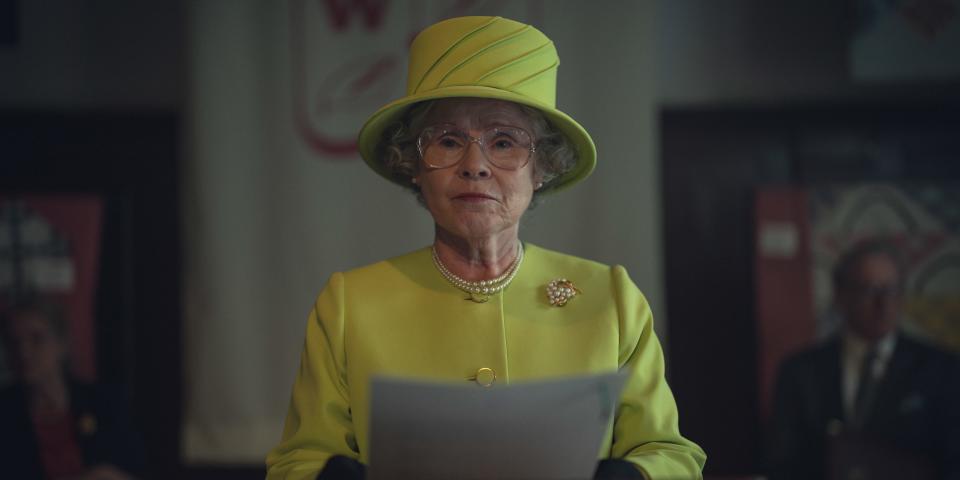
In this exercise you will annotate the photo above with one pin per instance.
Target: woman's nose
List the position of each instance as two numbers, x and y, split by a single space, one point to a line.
474 163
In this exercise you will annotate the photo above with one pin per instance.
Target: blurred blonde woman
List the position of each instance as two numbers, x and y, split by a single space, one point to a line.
54 427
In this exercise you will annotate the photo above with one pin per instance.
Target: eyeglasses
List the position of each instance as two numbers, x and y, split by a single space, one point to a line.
509 148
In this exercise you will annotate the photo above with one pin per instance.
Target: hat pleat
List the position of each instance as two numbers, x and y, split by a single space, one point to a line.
469 52
492 71
532 77
441 56
470 58
513 61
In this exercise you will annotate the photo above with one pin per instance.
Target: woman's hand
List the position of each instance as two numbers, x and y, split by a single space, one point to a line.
616 469
103 472
339 467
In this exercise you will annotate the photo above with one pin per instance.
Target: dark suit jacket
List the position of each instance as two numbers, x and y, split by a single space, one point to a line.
917 408
109 436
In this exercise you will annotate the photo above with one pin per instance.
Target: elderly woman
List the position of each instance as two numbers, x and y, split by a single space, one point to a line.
477 139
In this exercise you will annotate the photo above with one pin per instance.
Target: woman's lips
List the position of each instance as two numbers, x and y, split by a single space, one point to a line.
473 197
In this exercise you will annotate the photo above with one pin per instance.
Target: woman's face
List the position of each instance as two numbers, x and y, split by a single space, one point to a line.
474 198
35 350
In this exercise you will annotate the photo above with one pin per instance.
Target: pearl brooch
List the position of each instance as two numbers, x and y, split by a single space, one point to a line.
560 291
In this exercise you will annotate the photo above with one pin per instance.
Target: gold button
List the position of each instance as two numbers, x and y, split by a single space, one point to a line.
87 424
485 377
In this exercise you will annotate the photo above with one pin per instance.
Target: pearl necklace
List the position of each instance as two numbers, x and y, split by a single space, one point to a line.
479 291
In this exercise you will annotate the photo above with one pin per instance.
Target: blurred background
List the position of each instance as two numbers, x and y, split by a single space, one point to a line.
182 175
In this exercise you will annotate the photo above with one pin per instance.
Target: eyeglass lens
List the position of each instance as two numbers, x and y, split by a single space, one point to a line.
505 147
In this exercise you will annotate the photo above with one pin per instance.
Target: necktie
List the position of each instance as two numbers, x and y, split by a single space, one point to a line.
866 389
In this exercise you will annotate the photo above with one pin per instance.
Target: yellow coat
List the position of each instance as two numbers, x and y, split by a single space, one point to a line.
401 317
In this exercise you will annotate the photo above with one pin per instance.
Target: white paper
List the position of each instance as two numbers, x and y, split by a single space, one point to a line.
549 429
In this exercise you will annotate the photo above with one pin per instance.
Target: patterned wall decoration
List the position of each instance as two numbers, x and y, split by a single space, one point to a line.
923 220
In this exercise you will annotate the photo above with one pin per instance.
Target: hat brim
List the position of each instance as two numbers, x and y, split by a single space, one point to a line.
372 131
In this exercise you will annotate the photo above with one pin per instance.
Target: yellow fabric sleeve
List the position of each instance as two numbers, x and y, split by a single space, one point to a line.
646 430
319 423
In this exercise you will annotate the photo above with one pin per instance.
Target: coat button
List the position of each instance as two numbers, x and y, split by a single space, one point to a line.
485 377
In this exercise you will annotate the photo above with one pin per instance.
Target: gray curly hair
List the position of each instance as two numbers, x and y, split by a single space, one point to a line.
555 154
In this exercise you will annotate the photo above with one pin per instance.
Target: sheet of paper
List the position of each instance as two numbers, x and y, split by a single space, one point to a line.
545 429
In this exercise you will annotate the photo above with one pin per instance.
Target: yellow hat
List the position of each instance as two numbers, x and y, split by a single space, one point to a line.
483 57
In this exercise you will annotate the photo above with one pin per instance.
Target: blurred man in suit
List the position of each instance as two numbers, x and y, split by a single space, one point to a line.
870 382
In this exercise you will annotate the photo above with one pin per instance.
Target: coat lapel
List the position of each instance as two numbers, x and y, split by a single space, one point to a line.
833 381
894 384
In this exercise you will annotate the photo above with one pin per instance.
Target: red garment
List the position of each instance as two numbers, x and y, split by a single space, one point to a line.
59 450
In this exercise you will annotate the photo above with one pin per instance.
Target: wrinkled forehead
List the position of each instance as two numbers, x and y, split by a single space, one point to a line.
477 113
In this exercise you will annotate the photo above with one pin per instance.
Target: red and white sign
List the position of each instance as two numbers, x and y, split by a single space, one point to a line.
349 59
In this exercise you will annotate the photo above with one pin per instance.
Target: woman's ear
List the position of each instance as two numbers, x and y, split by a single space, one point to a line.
537 178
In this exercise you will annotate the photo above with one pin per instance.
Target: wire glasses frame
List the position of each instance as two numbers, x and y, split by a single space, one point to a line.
508 148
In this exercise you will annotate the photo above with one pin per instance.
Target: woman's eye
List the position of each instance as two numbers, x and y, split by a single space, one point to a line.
504 142
449 142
